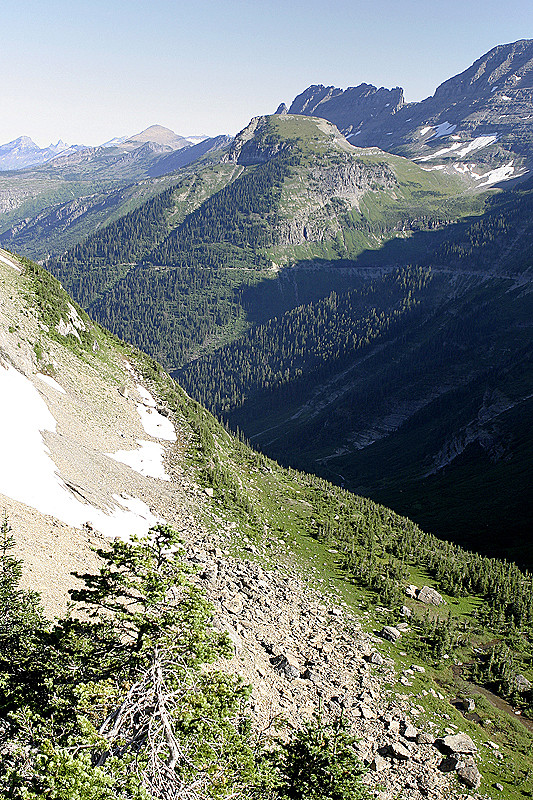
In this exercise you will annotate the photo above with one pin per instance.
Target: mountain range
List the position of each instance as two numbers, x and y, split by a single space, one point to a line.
363 315
327 299
476 122
22 152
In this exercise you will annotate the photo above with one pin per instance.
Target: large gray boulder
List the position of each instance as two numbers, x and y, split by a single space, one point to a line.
390 633
430 596
458 743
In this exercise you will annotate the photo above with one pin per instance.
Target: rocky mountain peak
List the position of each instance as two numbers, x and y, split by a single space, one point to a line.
486 109
507 66
256 143
350 107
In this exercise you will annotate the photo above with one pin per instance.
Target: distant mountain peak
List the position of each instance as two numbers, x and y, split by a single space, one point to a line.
23 152
160 135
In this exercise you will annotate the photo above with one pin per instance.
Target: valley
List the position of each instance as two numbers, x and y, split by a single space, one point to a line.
266 408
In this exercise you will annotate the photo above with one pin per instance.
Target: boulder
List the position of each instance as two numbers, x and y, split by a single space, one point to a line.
430 596
469 774
423 737
287 665
410 732
399 751
458 743
378 763
390 633
522 684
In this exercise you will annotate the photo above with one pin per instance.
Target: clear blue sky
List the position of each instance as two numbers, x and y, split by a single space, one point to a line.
87 71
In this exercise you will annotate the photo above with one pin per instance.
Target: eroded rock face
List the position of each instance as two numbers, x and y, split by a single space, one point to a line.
346 109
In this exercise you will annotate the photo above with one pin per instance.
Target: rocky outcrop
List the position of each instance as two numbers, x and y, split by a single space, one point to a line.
348 109
300 653
334 187
254 146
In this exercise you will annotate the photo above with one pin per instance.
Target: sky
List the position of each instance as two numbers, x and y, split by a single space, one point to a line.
87 71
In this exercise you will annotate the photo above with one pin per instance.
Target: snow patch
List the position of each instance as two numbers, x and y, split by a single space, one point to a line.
4 258
497 175
443 129
147 461
425 130
460 149
476 144
29 475
51 382
440 152
154 423
148 400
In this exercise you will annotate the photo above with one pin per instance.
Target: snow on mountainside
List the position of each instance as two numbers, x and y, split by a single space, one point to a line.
486 110
23 152
85 447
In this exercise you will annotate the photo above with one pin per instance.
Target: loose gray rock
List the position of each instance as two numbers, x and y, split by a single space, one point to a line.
378 763
469 774
390 633
399 751
430 596
457 743
410 732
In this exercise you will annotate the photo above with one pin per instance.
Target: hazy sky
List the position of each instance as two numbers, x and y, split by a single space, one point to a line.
88 71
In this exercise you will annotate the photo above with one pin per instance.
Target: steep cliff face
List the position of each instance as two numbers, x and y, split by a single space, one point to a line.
333 190
476 122
349 108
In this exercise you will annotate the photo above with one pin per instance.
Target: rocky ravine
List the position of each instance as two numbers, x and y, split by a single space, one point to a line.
298 648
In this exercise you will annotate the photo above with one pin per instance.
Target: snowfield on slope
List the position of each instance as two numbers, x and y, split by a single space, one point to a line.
29 475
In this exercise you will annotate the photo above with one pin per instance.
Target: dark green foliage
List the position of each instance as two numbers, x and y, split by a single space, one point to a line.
120 684
306 345
500 239
319 763
21 625
233 225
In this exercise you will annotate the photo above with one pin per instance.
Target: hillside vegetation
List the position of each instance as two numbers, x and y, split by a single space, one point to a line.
264 282
132 699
